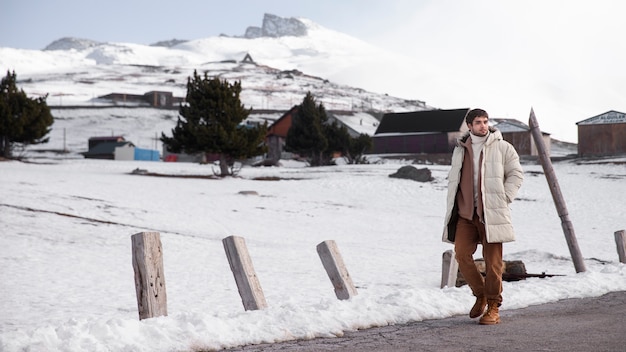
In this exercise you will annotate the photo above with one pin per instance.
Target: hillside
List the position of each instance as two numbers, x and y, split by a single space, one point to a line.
289 57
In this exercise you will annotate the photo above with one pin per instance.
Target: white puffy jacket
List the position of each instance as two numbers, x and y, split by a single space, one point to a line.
501 178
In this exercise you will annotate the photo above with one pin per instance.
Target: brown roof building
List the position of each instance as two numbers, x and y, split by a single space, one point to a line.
602 135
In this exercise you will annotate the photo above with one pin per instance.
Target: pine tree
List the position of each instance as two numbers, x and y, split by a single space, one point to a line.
306 134
23 120
338 140
358 147
210 122
313 136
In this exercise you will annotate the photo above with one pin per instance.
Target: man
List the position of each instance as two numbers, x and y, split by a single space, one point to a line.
483 180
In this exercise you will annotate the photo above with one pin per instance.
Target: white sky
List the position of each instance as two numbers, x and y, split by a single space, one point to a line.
564 58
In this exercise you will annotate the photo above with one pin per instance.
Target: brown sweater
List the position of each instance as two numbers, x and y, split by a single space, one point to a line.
465 195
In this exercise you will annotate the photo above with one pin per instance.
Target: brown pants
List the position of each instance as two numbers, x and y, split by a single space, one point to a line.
468 235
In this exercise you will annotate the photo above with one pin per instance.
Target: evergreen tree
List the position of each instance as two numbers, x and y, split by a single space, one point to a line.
22 120
210 122
358 147
338 140
313 136
306 134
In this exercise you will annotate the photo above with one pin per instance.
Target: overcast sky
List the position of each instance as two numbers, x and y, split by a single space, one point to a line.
33 24
564 58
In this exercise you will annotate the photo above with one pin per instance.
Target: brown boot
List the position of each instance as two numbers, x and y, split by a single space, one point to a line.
479 307
492 315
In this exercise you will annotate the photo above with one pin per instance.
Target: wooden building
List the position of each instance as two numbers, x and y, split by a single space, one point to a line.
602 135
518 134
435 132
419 132
277 135
355 122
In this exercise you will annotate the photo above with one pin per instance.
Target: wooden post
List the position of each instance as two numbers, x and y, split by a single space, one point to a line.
559 202
620 240
241 265
149 275
449 270
336 270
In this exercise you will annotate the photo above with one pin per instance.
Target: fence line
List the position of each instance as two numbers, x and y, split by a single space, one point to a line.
147 260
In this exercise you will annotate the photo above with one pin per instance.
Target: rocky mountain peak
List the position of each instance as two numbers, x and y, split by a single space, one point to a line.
276 26
69 43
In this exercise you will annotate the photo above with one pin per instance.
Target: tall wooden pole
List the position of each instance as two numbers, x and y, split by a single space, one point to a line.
553 183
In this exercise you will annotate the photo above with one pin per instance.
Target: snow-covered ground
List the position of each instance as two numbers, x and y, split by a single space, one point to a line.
65 250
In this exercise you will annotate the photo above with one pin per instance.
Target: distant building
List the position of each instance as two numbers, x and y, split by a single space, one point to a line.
130 152
518 134
106 149
160 99
93 141
156 99
435 132
248 59
355 122
419 132
602 135
117 148
277 135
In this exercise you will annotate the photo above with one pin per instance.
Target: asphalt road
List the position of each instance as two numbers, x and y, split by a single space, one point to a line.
572 325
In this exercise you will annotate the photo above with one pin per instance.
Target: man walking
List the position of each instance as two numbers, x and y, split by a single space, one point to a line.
483 180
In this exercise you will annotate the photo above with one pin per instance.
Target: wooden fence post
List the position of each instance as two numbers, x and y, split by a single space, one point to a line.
336 270
557 196
149 275
241 265
620 240
450 269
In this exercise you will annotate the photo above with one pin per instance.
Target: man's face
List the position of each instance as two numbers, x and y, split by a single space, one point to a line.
480 126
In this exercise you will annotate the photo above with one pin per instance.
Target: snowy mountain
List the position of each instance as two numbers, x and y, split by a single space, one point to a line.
69 43
284 59
290 57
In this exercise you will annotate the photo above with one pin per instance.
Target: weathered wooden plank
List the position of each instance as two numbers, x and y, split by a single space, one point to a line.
555 189
336 270
241 265
149 275
450 268
620 241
